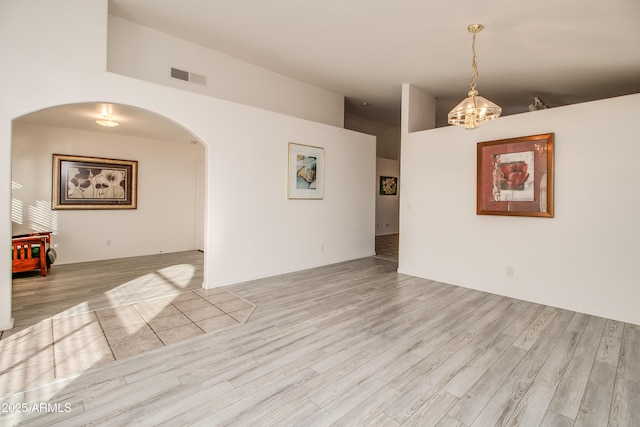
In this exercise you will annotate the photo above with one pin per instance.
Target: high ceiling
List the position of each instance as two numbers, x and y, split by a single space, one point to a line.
564 52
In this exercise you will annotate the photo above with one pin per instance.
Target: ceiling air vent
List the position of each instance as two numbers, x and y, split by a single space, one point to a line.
188 77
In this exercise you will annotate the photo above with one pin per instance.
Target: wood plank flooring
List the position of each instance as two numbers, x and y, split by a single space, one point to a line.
63 346
356 343
83 287
387 246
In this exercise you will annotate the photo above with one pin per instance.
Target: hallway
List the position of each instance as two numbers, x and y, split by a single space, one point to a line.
387 246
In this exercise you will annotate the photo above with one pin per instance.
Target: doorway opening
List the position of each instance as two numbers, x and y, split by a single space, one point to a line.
168 221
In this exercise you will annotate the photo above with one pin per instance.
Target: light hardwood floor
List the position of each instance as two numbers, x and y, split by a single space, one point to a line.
387 246
356 343
82 287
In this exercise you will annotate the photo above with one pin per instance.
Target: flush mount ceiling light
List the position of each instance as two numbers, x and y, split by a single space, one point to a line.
107 121
474 110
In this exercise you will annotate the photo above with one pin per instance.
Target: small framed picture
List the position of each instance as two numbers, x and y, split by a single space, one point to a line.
515 176
306 172
388 185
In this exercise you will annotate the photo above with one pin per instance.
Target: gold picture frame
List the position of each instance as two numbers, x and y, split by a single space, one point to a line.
515 176
93 183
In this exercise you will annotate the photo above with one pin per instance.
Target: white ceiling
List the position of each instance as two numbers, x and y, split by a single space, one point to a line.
133 121
563 51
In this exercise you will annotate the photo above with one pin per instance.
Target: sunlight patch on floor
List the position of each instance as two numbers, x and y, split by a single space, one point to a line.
175 277
64 346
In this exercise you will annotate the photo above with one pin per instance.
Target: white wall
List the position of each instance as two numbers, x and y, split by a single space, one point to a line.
163 222
387 207
256 231
388 143
387 138
585 259
55 58
144 53
418 109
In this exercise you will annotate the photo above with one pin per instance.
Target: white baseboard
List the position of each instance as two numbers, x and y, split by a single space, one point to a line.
7 326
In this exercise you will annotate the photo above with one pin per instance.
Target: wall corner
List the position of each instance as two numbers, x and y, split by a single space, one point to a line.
418 110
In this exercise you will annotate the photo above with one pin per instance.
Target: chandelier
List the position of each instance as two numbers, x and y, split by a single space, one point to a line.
474 110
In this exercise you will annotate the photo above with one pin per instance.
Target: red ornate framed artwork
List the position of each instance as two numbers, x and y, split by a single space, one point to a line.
515 176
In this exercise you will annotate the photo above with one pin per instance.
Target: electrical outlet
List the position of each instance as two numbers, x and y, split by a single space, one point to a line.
108 242
509 270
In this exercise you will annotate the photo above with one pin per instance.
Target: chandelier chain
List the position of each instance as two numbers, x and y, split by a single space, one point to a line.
474 64
473 110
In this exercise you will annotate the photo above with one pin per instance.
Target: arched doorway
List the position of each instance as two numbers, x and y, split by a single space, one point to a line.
170 194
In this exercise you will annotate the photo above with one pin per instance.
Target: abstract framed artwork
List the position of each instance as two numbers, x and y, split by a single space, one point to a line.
306 172
515 176
388 185
93 183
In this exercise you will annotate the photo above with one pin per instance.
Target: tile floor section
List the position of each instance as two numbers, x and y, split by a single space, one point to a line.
64 346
